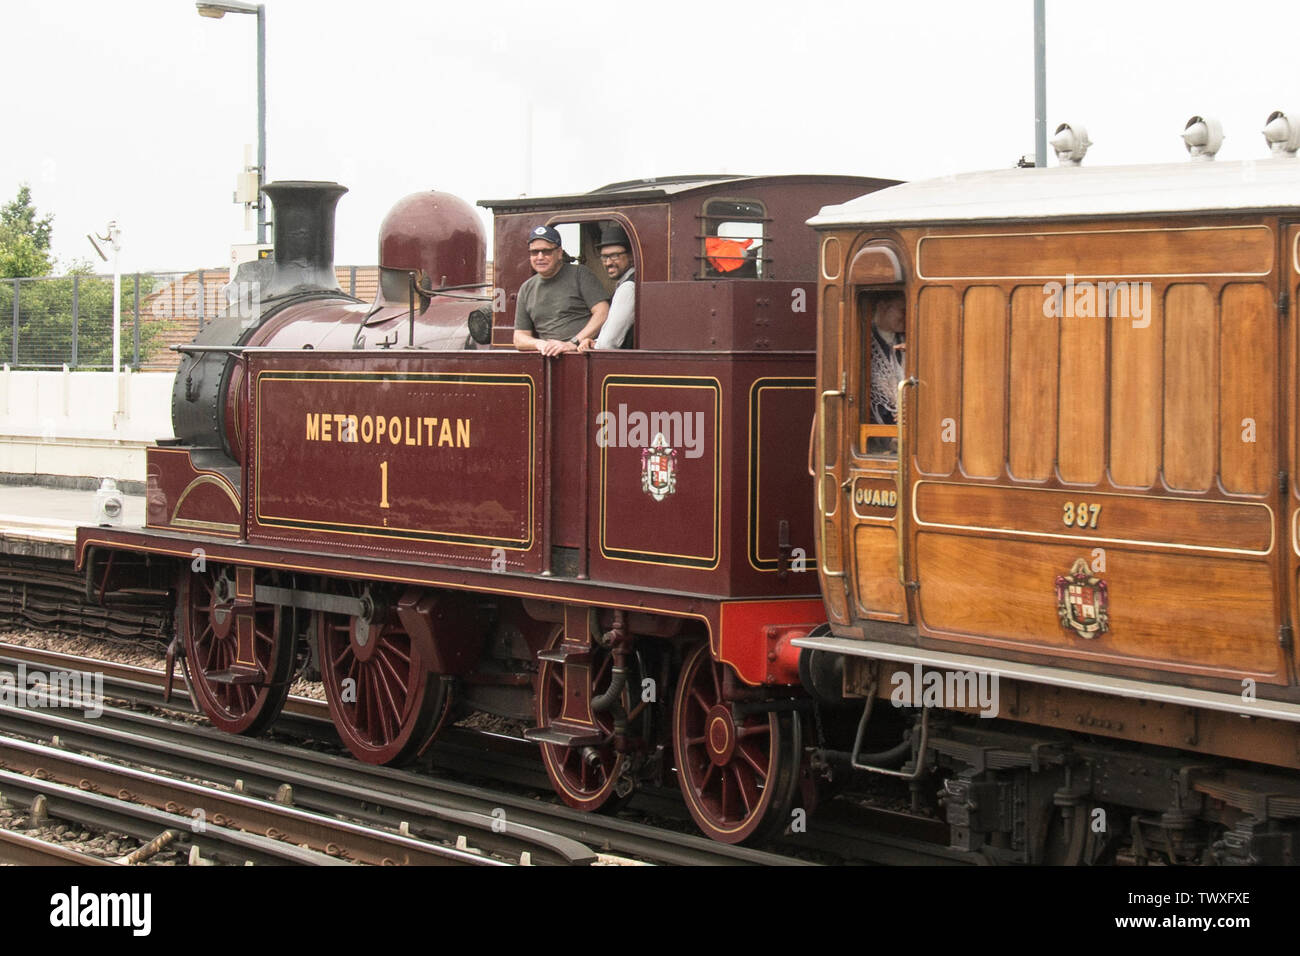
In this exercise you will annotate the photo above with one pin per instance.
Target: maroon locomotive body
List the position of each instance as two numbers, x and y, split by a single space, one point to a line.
615 547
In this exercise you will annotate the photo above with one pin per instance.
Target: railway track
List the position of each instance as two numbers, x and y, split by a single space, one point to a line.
21 850
332 784
230 826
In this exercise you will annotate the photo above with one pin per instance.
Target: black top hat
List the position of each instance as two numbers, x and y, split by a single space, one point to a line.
613 235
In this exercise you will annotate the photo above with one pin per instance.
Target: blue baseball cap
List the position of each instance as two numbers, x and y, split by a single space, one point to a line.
547 233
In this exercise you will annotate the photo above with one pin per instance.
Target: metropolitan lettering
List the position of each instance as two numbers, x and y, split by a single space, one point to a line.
420 431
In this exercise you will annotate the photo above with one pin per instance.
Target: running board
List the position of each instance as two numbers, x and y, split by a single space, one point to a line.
1058 677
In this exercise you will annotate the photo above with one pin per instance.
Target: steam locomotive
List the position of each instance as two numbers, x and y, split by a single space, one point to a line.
1047 518
614 547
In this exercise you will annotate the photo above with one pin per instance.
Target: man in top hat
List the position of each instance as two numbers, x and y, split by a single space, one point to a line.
616 257
562 306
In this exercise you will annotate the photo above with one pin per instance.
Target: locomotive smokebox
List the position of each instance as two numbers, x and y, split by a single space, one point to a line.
304 237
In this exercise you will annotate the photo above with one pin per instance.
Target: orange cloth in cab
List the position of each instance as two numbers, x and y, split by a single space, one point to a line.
726 255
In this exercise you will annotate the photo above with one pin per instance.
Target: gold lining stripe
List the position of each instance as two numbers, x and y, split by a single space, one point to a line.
823 261
752 476
656 381
1082 538
206 478
1089 275
230 489
412 534
206 525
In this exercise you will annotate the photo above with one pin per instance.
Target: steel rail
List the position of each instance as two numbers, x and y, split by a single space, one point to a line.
107 813
22 850
346 786
199 751
336 784
335 838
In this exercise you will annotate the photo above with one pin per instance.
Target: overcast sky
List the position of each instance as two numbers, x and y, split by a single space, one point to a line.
139 110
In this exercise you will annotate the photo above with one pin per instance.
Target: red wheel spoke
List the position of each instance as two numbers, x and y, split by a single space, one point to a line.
233 707
393 704
760 768
737 777
374 709
395 711
743 788
393 678
389 713
581 783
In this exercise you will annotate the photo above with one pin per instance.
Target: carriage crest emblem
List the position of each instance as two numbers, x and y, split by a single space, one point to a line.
1082 601
659 469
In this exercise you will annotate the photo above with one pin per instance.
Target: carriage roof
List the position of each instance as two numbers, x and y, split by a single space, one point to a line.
1076 192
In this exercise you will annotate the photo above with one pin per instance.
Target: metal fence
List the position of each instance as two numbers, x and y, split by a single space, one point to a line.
50 322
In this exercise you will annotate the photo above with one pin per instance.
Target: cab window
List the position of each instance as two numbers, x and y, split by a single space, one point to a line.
733 237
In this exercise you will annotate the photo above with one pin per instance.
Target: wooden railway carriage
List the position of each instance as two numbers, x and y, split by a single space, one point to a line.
1091 494
614 546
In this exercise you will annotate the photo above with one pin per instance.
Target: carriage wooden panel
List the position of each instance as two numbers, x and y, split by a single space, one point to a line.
1150 405
938 368
1136 385
1035 357
983 381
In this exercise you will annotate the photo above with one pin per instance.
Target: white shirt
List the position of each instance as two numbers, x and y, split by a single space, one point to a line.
622 309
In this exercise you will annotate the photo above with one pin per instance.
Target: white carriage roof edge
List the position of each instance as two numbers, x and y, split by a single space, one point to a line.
1075 192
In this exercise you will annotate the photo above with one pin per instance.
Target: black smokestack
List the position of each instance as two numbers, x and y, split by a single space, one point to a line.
304 236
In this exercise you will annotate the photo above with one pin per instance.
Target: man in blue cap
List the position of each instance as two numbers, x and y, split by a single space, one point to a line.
562 306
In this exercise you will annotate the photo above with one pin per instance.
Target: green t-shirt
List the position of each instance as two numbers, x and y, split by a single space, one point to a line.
558 307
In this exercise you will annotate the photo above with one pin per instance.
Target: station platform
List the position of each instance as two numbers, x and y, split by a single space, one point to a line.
42 522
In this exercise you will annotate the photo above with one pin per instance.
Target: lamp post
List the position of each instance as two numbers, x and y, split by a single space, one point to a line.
217 11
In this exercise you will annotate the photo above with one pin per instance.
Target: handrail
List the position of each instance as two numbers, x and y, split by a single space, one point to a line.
902 471
821 482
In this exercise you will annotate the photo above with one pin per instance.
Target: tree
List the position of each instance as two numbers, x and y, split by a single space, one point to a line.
24 239
49 309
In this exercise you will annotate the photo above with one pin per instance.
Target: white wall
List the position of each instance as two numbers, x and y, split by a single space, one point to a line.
68 423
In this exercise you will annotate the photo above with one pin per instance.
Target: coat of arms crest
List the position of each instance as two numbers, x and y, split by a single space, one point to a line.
658 469
1082 602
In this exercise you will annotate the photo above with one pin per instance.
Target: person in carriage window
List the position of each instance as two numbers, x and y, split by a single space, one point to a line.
887 345
616 257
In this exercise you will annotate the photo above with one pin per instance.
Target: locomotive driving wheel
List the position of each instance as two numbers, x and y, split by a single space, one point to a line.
738 774
385 702
585 777
237 697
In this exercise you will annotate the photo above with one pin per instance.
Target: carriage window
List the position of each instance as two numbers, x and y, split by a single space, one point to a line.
881 317
734 234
